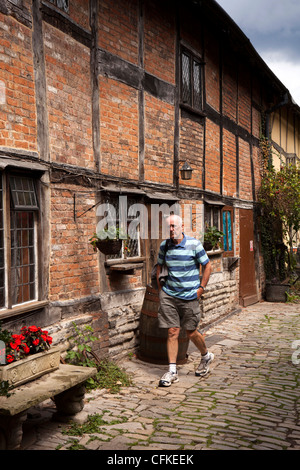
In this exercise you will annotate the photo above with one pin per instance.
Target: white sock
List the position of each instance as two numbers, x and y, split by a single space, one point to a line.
172 368
204 356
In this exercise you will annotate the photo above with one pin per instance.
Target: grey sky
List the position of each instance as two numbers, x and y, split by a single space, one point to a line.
273 27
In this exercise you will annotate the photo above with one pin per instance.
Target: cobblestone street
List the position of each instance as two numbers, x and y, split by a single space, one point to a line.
250 400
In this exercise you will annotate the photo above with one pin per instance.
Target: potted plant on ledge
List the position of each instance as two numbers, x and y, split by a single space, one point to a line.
109 240
212 238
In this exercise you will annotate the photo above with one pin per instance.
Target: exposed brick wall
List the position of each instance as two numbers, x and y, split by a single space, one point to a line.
118 129
74 270
119 281
256 122
256 156
212 157
79 12
159 140
212 74
244 98
229 164
159 55
17 110
118 31
191 149
245 170
69 99
230 87
190 29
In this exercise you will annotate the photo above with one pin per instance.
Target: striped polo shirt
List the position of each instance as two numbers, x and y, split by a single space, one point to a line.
183 262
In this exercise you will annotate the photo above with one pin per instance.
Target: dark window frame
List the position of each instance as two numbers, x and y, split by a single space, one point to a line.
63 5
20 263
133 248
195 101
228 247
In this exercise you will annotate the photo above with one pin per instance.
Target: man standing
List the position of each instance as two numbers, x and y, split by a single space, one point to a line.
179 296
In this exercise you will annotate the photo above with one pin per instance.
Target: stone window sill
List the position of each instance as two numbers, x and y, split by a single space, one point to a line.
24 308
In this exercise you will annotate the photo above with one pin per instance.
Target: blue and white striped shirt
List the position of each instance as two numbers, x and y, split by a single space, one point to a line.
183 262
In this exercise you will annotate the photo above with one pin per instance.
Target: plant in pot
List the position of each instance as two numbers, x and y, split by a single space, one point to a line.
109 240
279 197
26 356
212 238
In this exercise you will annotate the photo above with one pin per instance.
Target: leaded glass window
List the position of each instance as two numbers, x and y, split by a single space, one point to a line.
131 247
191 81
18 252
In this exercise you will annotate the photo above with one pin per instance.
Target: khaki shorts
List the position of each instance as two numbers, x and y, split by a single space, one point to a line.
174 312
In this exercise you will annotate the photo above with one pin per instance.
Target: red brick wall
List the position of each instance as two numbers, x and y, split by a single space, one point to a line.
159 40
191 149
118 129
230 87
212 157
190 29
212 75
159 140
69 99
118 31
229 164
244 98
245 170
74 270
79 12
17 110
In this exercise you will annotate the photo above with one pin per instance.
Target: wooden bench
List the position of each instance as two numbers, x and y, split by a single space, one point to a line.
65 385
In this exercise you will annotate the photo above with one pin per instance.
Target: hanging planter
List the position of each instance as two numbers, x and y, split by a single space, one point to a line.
108 241
109 247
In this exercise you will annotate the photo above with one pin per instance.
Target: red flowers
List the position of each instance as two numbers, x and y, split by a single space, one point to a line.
31 340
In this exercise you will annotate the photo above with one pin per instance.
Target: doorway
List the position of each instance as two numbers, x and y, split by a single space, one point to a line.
248 288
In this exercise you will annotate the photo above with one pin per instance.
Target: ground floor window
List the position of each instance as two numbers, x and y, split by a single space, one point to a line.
227 229
19 213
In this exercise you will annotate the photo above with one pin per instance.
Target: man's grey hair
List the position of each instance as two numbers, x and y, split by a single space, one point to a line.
176 217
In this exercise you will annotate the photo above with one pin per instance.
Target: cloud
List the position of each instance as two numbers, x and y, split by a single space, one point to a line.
287 72
273 28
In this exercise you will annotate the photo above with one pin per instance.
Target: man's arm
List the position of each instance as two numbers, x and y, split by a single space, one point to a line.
158 271
207 269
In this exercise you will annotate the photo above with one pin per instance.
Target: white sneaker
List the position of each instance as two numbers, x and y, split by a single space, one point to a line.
168 378
203 368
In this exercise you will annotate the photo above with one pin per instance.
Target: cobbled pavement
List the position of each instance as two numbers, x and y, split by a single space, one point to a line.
249 401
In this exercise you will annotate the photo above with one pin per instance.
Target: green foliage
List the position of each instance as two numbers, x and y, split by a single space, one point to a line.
279 197
82 346
5 388
92 425
293 295
213 236
109 375
112 232
5 335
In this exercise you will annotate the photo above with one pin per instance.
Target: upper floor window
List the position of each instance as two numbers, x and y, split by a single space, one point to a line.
191 80
61 4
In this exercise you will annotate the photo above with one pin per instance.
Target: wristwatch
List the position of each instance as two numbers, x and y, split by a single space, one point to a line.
201 288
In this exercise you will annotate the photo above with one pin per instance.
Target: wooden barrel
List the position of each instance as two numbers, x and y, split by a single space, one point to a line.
153 340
